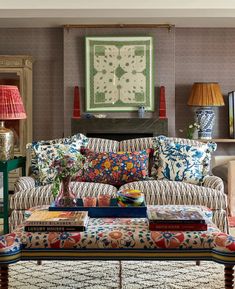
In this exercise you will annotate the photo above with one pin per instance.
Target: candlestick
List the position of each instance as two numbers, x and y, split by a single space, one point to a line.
76 103
162 106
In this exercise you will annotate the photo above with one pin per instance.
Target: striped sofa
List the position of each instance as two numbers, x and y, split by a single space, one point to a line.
161 192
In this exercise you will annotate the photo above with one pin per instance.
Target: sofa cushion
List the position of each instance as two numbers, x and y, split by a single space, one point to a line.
43 153
115 168
182 162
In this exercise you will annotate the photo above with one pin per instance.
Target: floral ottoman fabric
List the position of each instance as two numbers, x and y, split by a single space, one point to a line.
131 233
120 233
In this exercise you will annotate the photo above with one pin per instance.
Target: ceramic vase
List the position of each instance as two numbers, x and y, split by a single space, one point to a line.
205 118
141 111
66 197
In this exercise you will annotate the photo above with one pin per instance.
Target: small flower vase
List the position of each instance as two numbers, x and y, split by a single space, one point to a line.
65 197
195 134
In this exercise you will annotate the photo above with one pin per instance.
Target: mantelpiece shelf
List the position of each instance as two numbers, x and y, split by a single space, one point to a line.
119 128
222 140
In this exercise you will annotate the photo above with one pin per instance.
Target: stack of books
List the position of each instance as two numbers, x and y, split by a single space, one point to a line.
57 221
176 220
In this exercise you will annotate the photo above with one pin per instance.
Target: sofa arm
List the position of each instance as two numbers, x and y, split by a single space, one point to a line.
231 187
213 182
24 183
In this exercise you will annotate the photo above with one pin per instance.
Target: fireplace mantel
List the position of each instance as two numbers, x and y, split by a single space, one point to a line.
120 128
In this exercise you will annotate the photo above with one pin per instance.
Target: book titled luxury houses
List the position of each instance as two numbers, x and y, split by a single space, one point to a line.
178 220
57 221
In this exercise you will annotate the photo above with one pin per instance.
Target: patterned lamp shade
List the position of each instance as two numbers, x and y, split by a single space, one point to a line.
206 94
11 105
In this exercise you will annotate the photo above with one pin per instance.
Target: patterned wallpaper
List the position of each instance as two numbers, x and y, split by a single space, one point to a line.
183 56
46 47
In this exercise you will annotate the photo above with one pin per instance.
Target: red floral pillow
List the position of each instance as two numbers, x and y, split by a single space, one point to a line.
115 168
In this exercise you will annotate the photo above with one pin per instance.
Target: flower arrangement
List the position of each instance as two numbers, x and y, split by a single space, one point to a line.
65 166
191 129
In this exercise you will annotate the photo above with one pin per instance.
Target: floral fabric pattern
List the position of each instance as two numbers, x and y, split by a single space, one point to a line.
115 168
181 162
129 234
43 153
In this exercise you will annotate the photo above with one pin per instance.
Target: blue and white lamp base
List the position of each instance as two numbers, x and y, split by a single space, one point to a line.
205 117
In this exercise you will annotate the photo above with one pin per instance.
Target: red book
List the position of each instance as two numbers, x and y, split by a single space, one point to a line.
177 227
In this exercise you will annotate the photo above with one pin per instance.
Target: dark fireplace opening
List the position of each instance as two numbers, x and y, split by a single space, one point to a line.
119 136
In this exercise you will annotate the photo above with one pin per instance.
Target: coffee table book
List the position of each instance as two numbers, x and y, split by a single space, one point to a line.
177 220
59 221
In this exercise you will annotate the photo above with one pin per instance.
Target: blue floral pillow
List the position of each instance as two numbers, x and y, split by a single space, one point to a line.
43 153
182 162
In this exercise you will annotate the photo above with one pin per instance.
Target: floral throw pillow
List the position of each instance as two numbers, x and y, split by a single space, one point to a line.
182 162
115 168
43 153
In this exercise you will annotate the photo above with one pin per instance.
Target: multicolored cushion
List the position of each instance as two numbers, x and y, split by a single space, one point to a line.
182 162
115 168
43 153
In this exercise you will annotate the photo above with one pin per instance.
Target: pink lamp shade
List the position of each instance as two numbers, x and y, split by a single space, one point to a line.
11 105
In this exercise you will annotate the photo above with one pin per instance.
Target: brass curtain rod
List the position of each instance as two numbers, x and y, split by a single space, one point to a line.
168 26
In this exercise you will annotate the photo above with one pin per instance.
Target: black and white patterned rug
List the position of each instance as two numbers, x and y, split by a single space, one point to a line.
106 275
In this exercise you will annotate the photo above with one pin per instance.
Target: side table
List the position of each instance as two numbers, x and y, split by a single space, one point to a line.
5 168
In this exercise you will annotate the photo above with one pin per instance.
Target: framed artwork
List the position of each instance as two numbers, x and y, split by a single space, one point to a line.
231 107
119 73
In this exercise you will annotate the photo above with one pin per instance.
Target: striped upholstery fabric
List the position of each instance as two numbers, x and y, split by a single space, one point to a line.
136 144
102 145
178 193
210 194
24 183
41 195
147 142
16 218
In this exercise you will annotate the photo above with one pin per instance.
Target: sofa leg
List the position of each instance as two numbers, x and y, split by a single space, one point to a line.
228 276
198 262
4 276
39 262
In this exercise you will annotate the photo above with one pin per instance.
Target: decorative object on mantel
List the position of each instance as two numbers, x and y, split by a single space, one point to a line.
88 115
76 103
162 106
99 115
11 108
205 95
119 73
141 111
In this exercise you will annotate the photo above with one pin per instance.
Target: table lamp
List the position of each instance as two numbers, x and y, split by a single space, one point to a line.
205 95
11 108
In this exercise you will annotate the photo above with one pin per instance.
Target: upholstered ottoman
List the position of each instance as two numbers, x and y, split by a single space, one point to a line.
119 239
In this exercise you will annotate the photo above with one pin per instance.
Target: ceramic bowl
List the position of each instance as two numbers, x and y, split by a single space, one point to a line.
130 198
